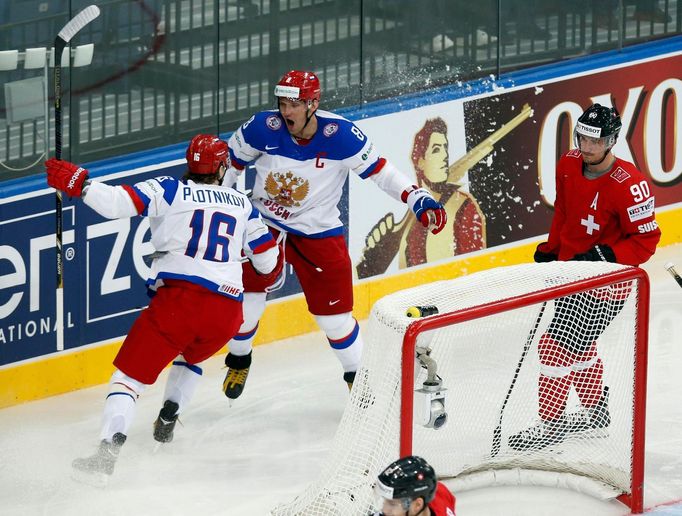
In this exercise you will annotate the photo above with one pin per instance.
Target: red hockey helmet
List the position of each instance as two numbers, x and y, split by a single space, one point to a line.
206 153
299 85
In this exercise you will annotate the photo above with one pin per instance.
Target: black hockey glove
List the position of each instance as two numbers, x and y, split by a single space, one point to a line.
542 256
599 253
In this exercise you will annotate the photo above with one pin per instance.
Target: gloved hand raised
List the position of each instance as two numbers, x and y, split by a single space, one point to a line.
66 177
599 253
427 210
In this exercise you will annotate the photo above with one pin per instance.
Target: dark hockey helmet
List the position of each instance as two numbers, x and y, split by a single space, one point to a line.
206 153
598 122
299 85
407 478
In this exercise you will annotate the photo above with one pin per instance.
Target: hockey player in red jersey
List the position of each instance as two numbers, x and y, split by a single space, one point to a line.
302 156
408 487
604 211
199 230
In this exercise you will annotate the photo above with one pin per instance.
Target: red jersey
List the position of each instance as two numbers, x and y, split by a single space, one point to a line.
616 209
444 502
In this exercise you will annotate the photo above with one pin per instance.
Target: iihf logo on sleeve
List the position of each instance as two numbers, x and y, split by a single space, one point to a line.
229 290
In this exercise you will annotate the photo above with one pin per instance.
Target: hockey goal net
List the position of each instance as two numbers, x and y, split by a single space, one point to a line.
484 345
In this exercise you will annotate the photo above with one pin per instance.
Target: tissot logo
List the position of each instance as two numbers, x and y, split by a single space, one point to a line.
588 130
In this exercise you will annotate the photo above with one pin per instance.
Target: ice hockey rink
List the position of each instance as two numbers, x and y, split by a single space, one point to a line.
273 441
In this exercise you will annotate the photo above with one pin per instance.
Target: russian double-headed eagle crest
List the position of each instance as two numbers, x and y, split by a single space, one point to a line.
286 188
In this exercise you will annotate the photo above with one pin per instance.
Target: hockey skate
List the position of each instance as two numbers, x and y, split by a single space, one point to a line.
237 373
589 419
600 416
547 433
539 436
361 395
349 378
165 423
98 468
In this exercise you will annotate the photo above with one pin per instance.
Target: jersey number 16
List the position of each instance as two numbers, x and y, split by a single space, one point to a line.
220 229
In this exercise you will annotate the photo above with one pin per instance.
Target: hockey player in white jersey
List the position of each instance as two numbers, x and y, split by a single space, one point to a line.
302 157
199 230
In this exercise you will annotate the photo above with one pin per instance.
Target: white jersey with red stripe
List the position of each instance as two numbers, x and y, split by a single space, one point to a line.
298 187
198 230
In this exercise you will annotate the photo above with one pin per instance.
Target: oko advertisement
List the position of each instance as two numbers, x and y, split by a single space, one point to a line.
490 160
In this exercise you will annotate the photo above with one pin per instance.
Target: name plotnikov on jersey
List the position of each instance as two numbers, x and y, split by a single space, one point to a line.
211 196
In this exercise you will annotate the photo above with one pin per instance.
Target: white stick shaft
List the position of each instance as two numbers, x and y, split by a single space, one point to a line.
59 327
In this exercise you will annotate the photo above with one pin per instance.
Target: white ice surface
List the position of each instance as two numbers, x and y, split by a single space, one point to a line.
265 449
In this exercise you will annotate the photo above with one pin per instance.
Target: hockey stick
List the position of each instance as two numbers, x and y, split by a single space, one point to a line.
670 267
497 433
63 37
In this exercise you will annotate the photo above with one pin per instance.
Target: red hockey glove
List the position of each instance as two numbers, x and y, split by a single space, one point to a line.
66 177
427 210
599 253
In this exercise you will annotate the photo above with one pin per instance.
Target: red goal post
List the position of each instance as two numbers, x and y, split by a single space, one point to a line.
483 346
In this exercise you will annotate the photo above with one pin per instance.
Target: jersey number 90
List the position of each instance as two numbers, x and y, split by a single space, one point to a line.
640 191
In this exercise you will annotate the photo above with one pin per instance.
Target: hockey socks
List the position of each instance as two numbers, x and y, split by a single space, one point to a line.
555 378
345 339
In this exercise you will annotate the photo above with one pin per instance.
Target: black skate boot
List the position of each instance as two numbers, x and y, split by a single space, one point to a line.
349 378
98 468
361 394
592 418
599 414
237 373
539 436
165 423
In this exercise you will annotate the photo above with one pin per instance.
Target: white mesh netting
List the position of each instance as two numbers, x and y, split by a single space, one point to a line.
477 362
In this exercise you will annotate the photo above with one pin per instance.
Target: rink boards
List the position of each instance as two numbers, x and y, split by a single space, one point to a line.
501 155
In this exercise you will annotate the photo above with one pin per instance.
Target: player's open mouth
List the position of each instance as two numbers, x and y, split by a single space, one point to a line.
289 122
